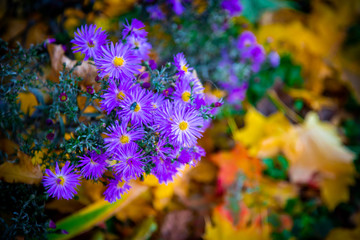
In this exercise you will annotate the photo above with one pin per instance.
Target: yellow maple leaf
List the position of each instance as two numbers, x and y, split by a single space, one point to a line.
28 102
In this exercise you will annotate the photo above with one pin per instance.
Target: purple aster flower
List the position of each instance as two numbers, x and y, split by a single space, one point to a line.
89 40
115 94
49 41
137 107
146 85
116 188
140 46
245 41
50 136
187 86
186 126
93 166
129 162
198 152
152 64
185 156
90 90
234 7
62 183
118 61
181 64
257 56
236 95
177 7
155 12
63 97
168 92
119 135
164 169
136 28
274 59
157 101
163 117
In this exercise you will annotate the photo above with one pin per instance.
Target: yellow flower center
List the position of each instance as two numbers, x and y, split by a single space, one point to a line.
247 43
121 95
61 180
154 106
63 98
137 108
124 139
91 44
183 125
185 96
137 44
119 61
184 68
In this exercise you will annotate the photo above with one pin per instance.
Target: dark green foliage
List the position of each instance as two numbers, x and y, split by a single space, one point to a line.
22 211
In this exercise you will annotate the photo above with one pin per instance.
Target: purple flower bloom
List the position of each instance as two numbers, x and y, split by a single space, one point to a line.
274 59
49 122
116 188
89 40
114 95
93 166
137 107
177 7
146 85
52 224
257 57
157 101
163 117
152 64
49 41
185 156
186 126
237 94
245 41
164 169
63 97
90 89
234 7
62 183
181 64
155 12
136 28
120 136
140 46
187 86
118 61
129 161
161 150
167 92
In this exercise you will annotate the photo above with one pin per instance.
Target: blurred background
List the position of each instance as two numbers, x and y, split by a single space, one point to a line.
282 156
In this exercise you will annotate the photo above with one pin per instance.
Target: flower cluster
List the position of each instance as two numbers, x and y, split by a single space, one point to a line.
155 117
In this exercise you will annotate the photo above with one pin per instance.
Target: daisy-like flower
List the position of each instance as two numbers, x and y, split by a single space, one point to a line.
62 183
137 107
93 166
157 101
245 41
119 136
163 117
161 150
115 189
115 94
164 169
186 126
136 28
63 97
129 161
118 61
181 64
187 86
89 40
140 46
234 7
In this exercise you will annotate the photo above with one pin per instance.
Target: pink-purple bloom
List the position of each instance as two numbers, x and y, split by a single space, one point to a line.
136 108
93 165
176 6
274 59
62 183
136 28
115 94
129 161
118 61
115 189
234 7
89 40
120 134
140 46
155 12
181 64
